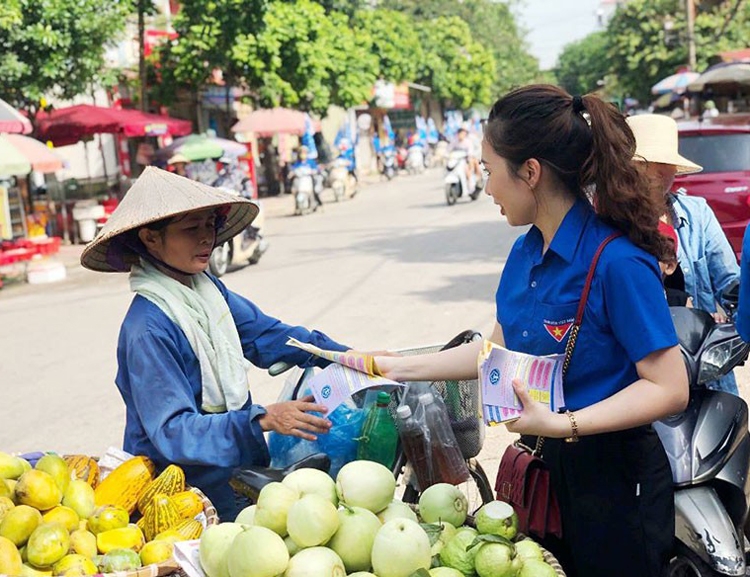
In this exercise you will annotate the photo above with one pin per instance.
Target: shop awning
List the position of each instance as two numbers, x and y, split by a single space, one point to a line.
68 125
12 162
729 76
270 121
12 121
42 159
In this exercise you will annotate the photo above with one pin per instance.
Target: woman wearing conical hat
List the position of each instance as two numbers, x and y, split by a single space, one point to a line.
187 341
706 259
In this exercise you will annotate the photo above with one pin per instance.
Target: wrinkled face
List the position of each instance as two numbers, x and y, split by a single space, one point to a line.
185 243
509 191
663 174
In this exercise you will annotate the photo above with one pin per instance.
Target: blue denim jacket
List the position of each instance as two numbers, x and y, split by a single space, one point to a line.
706 258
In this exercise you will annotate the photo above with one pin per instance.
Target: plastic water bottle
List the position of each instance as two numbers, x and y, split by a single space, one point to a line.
379 437
447 460
416 445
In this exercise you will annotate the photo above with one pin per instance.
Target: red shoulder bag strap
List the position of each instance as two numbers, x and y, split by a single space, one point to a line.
573 336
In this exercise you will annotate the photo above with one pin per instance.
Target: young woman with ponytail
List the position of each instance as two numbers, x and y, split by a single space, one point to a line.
563 164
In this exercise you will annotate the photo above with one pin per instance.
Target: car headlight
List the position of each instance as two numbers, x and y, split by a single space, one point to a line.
721 358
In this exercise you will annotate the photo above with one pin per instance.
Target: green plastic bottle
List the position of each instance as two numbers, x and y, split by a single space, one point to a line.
379 437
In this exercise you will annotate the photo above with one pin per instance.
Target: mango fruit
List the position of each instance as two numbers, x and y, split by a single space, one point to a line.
170 535
48 544
63 515
74 565
79 496
5 489
6 504
10 467
10 558
57 468
120 560
29 571
156 552
107 518
37 489
19 523
130 537
83 542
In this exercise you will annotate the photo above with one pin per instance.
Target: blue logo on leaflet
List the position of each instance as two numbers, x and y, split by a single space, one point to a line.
326 391
494 376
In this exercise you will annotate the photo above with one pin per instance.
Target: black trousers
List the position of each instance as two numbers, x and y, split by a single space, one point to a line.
617 504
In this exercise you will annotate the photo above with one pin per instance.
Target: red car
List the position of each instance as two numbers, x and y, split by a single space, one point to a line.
721 146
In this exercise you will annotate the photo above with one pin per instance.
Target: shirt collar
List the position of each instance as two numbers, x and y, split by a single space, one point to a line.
681 217
567 236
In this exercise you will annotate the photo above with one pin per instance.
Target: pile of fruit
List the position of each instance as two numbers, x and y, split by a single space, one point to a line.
59 518
310 526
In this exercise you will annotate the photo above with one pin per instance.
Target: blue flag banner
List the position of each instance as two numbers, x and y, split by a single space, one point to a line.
308 139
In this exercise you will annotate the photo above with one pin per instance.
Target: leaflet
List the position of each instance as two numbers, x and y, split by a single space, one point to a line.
353 360
336 383
498 367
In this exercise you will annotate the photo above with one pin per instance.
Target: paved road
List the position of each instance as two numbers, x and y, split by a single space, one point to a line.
392 268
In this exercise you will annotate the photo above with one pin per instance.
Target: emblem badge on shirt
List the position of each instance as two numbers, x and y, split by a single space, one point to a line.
558 329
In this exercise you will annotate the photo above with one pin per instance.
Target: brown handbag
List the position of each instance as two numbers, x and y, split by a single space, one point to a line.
523 479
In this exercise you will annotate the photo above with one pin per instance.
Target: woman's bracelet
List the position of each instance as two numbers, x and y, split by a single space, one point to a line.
573 427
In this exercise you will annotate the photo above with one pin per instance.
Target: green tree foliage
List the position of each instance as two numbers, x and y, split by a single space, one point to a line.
208 31
394 41
582 64
56 47
459 69
306 59
493 25
642 52
348 7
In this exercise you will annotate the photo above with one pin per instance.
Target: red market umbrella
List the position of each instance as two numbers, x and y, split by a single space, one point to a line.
69 125
12 121
42 159
270 121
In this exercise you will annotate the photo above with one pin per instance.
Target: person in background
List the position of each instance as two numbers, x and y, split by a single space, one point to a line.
463 142
178 164
576 187
303 159
710 110
707 264
187 341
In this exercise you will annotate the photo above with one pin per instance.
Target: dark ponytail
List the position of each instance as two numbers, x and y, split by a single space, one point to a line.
589 147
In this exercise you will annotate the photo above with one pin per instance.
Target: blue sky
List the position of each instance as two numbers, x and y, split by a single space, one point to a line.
552 24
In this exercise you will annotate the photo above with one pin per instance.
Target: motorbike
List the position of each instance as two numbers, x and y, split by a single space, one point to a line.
340 180
457 183
415 159
708 447
388 162
248 246
305 186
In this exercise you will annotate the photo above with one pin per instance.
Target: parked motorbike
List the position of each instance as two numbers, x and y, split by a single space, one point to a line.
248 246
415 159
708 447
305 186
457 183
340 180
388 162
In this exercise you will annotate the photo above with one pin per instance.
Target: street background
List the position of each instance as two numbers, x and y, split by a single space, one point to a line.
394 267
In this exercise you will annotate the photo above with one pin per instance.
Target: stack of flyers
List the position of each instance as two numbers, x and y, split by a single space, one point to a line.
498 367
336 383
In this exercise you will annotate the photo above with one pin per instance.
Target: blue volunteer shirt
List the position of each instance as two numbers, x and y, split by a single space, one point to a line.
159 378
626 316
742 317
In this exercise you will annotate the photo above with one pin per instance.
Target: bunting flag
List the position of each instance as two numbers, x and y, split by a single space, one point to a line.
308 139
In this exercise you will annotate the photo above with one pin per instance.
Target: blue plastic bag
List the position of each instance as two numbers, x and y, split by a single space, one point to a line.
340 443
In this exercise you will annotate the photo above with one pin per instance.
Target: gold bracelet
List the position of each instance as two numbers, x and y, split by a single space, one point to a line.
573 427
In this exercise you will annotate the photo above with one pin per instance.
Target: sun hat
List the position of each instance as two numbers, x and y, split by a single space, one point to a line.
177 158
656 141
156 195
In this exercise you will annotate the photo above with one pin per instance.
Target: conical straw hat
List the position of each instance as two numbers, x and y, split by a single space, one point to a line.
656 140
156 195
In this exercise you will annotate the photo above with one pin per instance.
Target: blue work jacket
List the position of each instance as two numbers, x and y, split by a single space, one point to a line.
159 378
